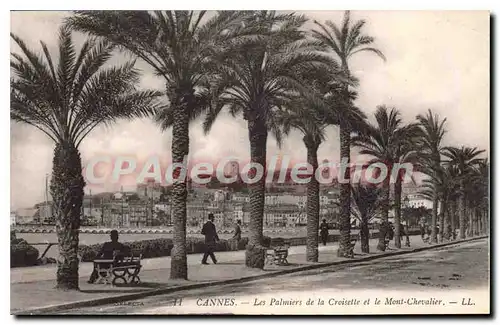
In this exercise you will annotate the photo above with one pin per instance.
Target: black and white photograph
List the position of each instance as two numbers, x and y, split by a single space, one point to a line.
250 162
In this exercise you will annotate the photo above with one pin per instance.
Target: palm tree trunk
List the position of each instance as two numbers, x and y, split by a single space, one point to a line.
441 220
479 220
312 203
66 189
476 222
461 212
486 219
384 217
397 212
435 202
486 214
453 219
471 221
480 225
483 225
484 228
447 221
365 235
180 150
255 252
345 194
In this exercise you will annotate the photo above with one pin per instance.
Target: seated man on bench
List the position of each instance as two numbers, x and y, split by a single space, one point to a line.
110 250
352 244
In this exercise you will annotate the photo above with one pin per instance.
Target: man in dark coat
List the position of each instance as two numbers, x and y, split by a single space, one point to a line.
323 231
390 231
111 250
237 230
210 239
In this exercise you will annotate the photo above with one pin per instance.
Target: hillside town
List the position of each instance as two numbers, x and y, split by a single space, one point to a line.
149 205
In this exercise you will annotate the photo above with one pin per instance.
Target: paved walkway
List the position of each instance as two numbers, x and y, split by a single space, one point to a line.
447 273
33 287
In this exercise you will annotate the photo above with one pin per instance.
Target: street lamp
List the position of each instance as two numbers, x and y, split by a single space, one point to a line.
406 205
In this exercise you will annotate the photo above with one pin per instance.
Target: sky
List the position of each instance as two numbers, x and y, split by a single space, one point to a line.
436 60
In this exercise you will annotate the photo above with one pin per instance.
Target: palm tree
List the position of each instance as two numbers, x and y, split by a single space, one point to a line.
430 155
365 206
480 194
66 100
477 196
465 160
345 41
452 215
312 125
449 193
258 77
386 142
444 181
408 139
179 47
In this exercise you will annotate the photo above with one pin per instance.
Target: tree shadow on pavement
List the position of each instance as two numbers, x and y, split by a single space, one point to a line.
113 291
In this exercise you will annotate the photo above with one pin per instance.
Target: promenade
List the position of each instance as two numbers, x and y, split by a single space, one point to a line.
33 287
430 276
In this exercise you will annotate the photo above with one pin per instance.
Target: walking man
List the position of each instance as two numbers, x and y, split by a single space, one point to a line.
237 234
210 239
422 228
323 231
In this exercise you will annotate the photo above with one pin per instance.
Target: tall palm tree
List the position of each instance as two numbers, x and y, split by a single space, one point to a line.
179 47
449 193
385 142
408 139
311 115
481 194
465 159
66 100
311 124
257 77
366 201
345 41
452 216
444 181
430 150
477 196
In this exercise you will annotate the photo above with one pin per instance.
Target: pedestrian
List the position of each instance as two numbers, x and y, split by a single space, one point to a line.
323 231
237 230
237 234
390 231
429 232
210 239
402 230
422 229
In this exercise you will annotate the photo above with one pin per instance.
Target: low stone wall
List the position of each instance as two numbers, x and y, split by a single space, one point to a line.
38 230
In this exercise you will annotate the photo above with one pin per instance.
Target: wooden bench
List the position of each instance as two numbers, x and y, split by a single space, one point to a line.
277 255
113 271
352 244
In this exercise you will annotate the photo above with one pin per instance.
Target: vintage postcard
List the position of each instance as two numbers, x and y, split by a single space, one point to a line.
250 162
